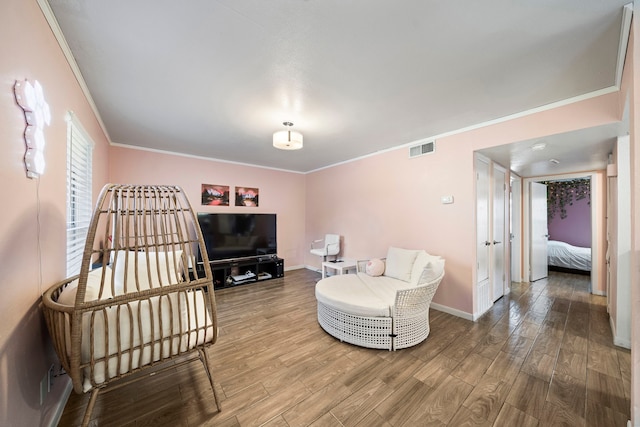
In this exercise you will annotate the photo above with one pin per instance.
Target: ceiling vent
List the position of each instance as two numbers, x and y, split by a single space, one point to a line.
422 149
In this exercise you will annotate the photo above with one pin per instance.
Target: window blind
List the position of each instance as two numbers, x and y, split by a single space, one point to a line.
79 172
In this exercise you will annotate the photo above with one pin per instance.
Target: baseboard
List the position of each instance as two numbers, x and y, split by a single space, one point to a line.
599 293
622 343
52 418
616 339
452 311
294 267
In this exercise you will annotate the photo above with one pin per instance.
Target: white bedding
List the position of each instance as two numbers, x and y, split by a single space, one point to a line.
561 254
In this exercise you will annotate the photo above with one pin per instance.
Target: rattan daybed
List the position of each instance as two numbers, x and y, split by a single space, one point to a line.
385 310
143 306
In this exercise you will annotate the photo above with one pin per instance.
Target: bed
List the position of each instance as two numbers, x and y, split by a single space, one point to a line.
565 257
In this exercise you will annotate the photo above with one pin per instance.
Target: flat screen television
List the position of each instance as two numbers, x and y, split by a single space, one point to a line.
237 235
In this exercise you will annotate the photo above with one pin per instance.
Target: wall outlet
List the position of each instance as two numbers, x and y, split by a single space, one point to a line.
45 384
51 376
44 387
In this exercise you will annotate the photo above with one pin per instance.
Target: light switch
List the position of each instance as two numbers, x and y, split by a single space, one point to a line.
446 200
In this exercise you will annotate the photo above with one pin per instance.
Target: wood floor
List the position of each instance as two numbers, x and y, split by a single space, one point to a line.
542 356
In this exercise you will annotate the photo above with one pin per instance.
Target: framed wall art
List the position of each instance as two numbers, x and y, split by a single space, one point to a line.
215 195
247 196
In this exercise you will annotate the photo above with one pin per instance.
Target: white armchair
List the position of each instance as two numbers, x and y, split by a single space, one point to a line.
330 246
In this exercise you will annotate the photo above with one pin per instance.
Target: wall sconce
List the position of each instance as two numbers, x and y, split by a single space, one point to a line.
37 115
287 139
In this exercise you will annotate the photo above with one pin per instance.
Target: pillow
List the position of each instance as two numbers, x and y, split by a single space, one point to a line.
162 269
375 267
399 263
68 295
426 268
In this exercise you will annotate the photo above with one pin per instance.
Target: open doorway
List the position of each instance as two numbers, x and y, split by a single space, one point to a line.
574 244
569 225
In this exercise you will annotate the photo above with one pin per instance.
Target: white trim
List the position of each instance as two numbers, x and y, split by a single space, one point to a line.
73 118
553 105
293 267
193 156
616 339
59 407
66 51
452 311
515 181
625 28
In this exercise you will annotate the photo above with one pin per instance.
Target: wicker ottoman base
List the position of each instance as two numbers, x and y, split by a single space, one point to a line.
370 332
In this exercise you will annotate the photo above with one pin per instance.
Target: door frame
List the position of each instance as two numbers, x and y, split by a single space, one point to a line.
483 288
504 248
515 227
595 226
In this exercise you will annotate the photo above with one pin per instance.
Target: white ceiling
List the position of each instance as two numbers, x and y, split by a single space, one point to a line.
216 78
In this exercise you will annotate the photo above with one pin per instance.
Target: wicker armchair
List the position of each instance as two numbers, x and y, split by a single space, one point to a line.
144 307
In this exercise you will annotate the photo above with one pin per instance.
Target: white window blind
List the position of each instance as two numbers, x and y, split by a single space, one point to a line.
79 165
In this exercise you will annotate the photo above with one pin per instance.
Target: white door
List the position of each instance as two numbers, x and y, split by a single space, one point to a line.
483 236
499 239
539 231
516 226
482 212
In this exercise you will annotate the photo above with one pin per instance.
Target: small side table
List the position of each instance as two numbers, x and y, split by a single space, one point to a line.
341 267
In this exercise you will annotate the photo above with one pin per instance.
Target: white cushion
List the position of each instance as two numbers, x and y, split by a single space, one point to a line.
426 268
94 279
162 269
399 263
375 267
347 293
383 287
173 316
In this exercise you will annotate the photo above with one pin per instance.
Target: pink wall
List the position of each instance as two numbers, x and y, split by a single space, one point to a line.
575 229
391 200
280 192
32 221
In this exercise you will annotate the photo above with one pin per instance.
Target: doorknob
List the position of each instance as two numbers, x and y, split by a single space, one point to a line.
495 243
487 243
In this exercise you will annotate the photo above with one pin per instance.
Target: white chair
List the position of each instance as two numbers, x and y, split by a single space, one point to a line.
330 246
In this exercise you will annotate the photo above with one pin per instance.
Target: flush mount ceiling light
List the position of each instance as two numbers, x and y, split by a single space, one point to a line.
287 139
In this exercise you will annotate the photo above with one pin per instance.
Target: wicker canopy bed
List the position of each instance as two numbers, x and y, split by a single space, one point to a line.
142 308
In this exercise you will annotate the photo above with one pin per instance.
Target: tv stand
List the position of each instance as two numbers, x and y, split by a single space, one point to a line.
240 271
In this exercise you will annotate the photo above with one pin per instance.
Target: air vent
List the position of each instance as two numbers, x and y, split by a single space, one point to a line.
422 149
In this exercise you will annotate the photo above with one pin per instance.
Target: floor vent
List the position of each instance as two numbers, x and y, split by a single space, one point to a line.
422 149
